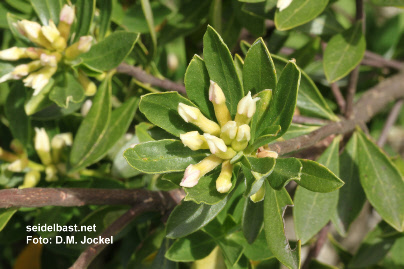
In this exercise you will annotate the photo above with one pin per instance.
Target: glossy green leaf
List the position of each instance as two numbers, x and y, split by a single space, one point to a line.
93 126
381 182
221 68
324 25
193 247
258 250
313 210
197 84
259 70
318 178
286 169
111 51
252 220
163 156
395 256
259 165
296 130
268 135
147 11
299 12
256 170
84 13
262 107
105 17
283 103
275 204
47 9
160 261
5 216
344 52
117 126
161 109
66 89
309 99
397 3
351 195
305 55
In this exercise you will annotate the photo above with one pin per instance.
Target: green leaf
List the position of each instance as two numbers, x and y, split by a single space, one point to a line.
93 126
163 156
162 110
283 103
193 247
12 25
160 260
270 134
66 89
344 52
47 9
259 70
105 17
189 217
52 216
381 182
221 68
285 170
252 220
258 169
258 250
275 204
313 210
296 130
197 84
5 216
351 195
111 51
306 54
147 11
309 99
298 13
84 14
397 3
261 107
239 64
318 178
120 167
324 25
117 126
259 165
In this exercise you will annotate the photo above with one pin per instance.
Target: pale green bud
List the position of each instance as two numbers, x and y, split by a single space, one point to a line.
51 173
194 140
13 54
31 179
259 195
246 109
195 171
42 145
218 147
193 115
242 138
223 182
218 99
229 132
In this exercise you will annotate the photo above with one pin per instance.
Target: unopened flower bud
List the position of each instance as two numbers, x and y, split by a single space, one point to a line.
42 145
23 70
18 165
195 171
246 109
89 87
49 60
259 195
58 142
267 153
35 53
216 96
193 115
51 173
13 54
85 108
33 31
65 21
218 147
81 46
229 132
194 140
39 79
282 4
223 182
242 138
52 34
31 179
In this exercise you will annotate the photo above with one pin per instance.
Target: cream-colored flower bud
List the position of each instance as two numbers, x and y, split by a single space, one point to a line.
193 115
18 166
242 138
35 53
259 195
282 4
58 142
52 34
48 60
31 179
38 80
267 153
245 109
218 147
23 70
89 87
85 108
81 46
229 132
194 140
33 31
223 182
51 173
216 96
42 145
195 171
13 54
65 21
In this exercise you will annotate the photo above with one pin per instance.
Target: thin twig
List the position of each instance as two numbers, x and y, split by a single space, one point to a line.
383 61
141 75
338 96
309 120
317 246
395 111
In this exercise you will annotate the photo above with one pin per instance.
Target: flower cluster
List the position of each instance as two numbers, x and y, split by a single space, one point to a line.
224 139
51 48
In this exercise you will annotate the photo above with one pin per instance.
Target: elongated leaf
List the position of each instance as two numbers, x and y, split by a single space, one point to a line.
221 68
162 110
252 220
147 11
296 130
259 165
163 156
84 14
269 135
258 250
299 12
117 126
256 170
318 178
66 89
160 261
105 17
193 247
351 196
197 85
285 170
313 210
12 25
275 204
259 70
381 182
324 25
47 9
239 63
111 51
306 54
283 103
5 216
344 52
262 106
93 126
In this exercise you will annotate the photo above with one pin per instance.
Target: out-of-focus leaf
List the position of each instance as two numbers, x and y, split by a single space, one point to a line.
160 261
5 216
47 9
66 89
84 13
306 54
105 17
147 11
52 216
397 3
324 25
